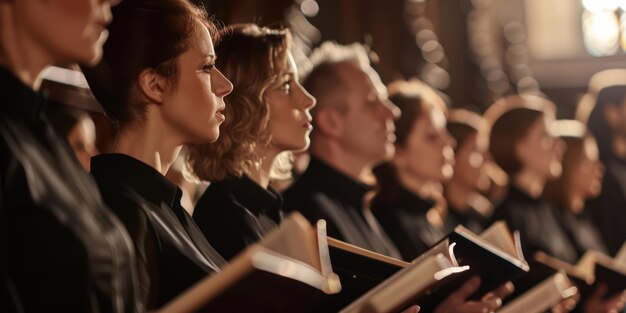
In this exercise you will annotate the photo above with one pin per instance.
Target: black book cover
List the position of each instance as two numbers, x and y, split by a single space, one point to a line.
614 280
493 266
358 274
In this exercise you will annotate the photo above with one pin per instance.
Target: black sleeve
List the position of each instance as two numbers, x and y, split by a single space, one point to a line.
48 264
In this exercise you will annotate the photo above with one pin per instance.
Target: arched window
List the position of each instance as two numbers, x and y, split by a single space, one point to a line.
604 26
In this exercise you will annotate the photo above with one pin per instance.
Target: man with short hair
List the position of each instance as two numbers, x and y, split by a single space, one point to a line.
354 131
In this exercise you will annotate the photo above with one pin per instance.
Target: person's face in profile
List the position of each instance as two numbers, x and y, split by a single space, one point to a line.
193 108
615 115
428 154
367 123
540 151
72 30
471 156
587 172
289 104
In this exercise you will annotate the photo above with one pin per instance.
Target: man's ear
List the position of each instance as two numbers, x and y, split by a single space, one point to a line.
329 122
612 115
152 85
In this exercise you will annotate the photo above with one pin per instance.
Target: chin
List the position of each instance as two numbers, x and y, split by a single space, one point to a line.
213 136
90 56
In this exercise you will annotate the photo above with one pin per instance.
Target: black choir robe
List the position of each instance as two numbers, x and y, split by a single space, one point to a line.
61 248
237 212
172 252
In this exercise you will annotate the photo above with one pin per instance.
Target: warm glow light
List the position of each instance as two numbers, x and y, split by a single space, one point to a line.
601 33
309 8
622 26
597 6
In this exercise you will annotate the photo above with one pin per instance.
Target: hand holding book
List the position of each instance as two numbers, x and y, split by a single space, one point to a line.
458 301
596 302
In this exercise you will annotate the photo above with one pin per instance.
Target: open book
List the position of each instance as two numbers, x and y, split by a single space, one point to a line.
543 296
495 256
592 268
409 285
359 270
289 271
602 268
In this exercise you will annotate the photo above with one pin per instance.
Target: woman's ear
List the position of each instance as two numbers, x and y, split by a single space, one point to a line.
329 122
152 85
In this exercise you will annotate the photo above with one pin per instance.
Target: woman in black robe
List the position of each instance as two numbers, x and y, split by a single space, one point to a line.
61 249
268 118
159 86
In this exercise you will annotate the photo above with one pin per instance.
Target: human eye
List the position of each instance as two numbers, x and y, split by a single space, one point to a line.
286 86
208 67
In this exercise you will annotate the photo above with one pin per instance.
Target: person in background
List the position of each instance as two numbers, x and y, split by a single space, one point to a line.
581 180
607 122
464 190
61 248
523 144
159 86
268 116
353 131
409 203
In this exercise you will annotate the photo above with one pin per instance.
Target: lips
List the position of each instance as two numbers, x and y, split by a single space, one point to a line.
308 125
220 114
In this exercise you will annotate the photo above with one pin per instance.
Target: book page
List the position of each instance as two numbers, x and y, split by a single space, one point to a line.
405 284
543 296
254 259
478 240
295 238
620 257
569 269
364 252
443 247
499 235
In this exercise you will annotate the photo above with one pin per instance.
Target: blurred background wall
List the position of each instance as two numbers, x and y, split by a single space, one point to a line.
473 50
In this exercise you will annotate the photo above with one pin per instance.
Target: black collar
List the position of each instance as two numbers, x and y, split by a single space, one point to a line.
320 176
411 201
137 176
253 196
517 195
19 100
396 196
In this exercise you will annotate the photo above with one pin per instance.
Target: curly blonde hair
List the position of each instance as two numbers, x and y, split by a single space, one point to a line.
254 59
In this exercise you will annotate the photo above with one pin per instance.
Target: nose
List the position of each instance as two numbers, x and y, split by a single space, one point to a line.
223 86
106 12
600 168
559 146
389 110
309 100
450 141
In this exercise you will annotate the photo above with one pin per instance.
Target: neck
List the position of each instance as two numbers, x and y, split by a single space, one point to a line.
619 146
576 204
530 182
350 164
457 195
19 52
151 143
261 173
425 189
